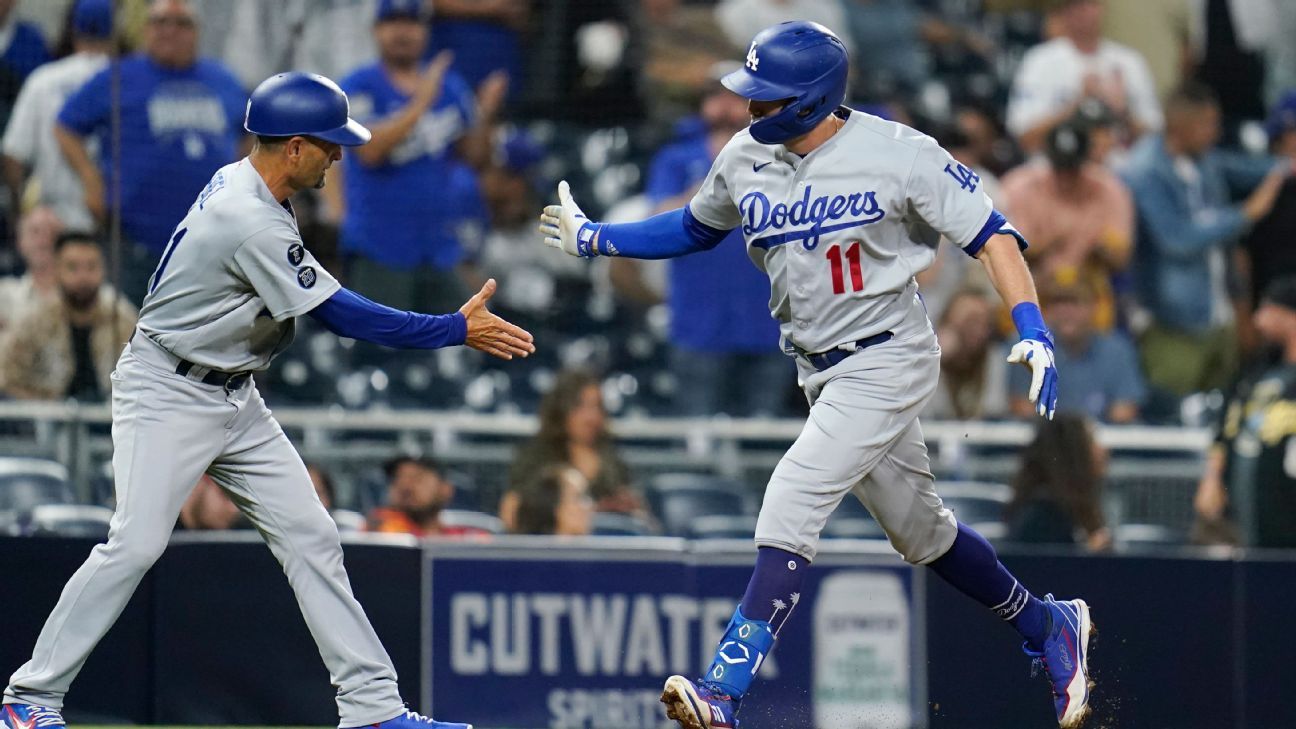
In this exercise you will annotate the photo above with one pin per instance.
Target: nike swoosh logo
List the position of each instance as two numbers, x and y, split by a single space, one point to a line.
758 168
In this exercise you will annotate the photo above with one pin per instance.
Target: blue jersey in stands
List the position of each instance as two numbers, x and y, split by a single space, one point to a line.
719 299
406 211
177 128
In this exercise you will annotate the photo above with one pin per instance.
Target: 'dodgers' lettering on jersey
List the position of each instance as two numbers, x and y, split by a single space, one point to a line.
760 215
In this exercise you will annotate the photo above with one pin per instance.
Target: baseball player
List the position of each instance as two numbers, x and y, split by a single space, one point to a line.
841 209
220 305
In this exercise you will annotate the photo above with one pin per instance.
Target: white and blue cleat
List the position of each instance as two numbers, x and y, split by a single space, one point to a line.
30 716
415 720
1065 659
698 705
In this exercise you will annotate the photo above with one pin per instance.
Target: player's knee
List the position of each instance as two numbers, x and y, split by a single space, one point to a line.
137 552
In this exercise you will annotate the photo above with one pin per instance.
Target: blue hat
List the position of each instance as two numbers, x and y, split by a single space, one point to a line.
93 18
1283 117
396 9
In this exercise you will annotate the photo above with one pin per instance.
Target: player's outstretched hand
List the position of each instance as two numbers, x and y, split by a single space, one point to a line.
564 226
1038 356
491 334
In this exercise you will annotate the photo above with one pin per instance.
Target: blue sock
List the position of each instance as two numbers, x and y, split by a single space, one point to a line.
972 566
772 594
775 587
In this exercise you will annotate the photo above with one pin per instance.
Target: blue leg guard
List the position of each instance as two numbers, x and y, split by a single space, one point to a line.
741 652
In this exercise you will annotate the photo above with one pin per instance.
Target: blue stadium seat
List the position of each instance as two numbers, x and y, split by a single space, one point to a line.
612 524
722 527
26 483
679 498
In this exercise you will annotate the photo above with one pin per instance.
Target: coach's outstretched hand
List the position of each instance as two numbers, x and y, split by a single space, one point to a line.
491 334
564 226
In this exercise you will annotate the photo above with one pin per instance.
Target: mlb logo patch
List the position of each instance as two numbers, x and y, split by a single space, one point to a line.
306 277
296 254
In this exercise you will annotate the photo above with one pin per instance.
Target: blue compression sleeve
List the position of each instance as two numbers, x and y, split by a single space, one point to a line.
996 223
348 314
667 235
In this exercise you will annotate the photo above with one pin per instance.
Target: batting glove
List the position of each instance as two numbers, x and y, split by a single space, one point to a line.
1035 350
565 226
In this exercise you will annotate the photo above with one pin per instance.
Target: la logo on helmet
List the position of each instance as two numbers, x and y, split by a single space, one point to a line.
752 60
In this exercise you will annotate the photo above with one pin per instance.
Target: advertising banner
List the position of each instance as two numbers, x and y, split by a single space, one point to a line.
582 636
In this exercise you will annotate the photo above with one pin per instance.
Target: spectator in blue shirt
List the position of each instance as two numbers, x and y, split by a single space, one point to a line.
1103 380
181 120
724 343
485 37
405 226
22 49
1188 226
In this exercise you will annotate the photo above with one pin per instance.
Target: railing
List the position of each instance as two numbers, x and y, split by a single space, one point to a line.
1151 476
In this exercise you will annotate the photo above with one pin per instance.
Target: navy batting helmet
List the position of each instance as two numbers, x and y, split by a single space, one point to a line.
298 104
800 61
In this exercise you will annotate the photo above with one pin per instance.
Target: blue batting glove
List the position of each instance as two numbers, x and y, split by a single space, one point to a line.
1035 350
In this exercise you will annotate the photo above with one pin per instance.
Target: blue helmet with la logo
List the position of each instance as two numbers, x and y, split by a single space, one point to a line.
800 61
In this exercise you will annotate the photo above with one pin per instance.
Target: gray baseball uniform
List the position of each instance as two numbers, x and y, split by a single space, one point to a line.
841 233
222 300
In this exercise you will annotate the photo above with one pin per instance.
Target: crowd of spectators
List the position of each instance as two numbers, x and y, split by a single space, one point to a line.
1144 149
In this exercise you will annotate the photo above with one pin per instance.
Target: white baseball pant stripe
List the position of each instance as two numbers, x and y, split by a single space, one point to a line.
167 430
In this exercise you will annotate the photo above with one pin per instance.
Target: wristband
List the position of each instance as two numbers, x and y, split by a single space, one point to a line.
1030 322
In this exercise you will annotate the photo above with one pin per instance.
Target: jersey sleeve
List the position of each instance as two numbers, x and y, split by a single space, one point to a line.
713 205
88 107
283 273
947 196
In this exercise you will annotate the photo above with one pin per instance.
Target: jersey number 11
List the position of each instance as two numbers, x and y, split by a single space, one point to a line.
852 257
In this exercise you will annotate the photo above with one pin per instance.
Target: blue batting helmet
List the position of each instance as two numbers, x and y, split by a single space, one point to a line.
800 61
298 104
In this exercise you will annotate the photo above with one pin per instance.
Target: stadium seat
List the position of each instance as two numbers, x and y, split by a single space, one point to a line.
26 483
722 527
472 520
975 501
1145 534
852 521
679 498
612 524
70 520
349 521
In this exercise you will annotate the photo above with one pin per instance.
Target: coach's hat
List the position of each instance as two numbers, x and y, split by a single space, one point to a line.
401 10
1281 291
93 18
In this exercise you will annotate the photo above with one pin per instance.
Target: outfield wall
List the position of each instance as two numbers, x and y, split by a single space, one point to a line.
531 633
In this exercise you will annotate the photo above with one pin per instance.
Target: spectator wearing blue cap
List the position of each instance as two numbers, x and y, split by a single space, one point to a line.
1269 247
181 120
31 153
412 216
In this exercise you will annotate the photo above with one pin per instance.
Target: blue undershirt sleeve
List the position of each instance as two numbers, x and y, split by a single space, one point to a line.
667 235
348 314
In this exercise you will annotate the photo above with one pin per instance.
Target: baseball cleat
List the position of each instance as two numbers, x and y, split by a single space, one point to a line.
29 716
415 720
698 705
1065 659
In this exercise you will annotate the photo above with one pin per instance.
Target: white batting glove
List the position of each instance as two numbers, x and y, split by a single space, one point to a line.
564 226
1038 356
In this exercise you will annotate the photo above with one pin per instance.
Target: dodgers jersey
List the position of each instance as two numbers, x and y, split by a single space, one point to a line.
233 277
842 231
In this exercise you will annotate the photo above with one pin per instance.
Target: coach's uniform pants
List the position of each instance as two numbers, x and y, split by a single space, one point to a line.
863 435
167 430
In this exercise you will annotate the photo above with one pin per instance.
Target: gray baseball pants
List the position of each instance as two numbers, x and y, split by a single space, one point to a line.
167 430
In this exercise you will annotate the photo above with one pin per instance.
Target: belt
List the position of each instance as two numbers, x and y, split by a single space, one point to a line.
229 380
823 360
189 370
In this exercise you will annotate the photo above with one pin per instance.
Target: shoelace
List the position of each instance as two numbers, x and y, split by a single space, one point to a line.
715 691
46 716
415 716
